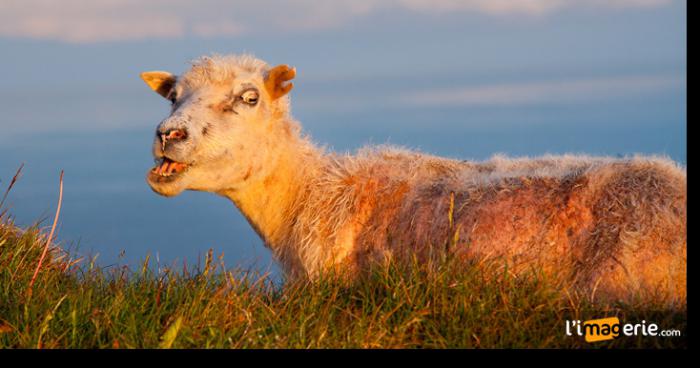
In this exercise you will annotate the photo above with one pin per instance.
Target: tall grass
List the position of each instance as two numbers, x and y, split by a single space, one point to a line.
74 303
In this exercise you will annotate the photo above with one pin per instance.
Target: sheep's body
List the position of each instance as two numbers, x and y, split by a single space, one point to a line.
616 225
612 227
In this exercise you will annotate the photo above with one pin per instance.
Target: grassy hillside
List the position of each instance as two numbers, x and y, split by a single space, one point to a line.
76 304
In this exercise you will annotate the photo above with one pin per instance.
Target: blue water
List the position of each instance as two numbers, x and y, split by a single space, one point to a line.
109 209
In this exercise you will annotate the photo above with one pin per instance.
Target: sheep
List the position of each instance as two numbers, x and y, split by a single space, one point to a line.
615 227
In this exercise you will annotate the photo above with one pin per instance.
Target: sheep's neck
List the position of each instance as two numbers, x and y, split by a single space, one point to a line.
271 202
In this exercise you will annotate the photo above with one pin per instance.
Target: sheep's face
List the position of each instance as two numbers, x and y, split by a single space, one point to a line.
218 134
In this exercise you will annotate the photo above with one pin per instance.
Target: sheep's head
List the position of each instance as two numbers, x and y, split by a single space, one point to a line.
224 120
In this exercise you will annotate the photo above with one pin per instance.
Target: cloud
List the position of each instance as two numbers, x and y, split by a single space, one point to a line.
102 108
84 21
523 7
544 92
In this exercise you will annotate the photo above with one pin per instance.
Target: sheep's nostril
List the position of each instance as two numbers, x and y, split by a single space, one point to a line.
172 135
175 134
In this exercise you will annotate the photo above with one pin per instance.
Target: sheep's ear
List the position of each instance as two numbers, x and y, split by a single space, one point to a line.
161 82
276 81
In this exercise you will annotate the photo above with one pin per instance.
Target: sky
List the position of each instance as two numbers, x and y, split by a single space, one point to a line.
79 21
465 79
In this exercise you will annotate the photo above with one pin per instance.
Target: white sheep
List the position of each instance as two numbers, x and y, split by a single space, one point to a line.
616 226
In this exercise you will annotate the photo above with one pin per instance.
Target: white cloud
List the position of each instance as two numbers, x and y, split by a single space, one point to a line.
494 7
523 7
109 20
547 92
101 108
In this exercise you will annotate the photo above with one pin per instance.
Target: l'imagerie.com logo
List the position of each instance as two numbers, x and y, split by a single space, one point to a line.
609 328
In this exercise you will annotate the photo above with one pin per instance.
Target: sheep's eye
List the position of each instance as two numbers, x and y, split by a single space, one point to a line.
250 97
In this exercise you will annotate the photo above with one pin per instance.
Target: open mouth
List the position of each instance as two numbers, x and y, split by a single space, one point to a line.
167 169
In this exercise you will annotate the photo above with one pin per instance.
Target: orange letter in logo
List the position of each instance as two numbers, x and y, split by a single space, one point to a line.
601 329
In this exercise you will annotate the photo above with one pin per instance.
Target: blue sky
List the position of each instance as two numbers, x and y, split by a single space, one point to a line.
79 57
463 78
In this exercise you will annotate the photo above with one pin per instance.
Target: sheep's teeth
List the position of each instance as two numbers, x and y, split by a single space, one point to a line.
166 167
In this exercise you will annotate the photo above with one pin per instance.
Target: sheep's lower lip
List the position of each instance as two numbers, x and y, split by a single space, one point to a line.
167 170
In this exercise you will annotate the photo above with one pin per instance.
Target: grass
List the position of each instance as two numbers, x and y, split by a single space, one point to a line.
74 303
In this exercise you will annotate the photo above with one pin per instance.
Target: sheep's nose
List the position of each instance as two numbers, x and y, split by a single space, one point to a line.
172 135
